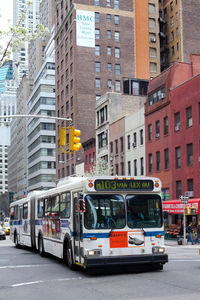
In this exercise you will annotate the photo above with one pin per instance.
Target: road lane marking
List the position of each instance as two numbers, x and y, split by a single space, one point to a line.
23 266
44 281
186 260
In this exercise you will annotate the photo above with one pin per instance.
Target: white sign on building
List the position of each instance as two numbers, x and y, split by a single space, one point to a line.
85 28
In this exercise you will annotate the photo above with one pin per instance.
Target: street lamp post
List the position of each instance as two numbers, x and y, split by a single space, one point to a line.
184 201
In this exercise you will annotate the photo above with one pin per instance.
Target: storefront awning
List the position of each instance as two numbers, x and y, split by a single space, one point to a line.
176 207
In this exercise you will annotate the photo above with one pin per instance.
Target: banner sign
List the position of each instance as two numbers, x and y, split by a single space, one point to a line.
177 208
85 28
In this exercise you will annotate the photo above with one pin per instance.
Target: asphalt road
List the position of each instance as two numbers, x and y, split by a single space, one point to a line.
26 275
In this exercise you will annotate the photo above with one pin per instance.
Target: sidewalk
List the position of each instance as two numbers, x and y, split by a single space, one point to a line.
174 243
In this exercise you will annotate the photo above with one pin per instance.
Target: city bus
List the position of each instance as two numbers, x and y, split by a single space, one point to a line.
94 222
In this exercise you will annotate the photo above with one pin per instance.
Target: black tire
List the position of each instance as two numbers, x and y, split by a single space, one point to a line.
16 240
41 246
158 267
68 256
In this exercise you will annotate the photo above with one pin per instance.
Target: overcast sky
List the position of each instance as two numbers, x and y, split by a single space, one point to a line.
6 13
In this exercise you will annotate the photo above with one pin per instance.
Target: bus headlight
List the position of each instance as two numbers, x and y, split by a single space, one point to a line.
94 252
158 250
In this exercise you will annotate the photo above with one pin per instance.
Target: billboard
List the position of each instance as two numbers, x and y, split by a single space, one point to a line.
85 28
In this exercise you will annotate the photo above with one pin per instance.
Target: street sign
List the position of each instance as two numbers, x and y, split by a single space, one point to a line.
184 199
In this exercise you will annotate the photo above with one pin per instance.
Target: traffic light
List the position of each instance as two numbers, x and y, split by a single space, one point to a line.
62 136
74 141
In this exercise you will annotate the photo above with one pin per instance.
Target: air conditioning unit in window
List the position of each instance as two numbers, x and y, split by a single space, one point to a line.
162 96
153 40
157 135
177 127
189 194
134 144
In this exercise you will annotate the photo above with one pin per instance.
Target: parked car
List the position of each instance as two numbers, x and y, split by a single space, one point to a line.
6 227
2 233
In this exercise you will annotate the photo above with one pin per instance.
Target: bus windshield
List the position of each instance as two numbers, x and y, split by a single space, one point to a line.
104 212
144 211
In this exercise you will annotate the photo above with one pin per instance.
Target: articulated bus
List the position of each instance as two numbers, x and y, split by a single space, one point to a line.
94 222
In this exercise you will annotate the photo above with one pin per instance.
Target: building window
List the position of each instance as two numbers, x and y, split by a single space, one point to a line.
109 67
135 167
178 189
172 22
117 169
117 36
108 34
117 86
116 146
171 5
107 2
96 2
116 19
141 137
97 17
172 50
157 129
189 154
166 126
178 157
116 4
190 185
117 52
111 147
141 166
122 144
129 168
128 142
97 34
97 50
117 69
150 162
166 158
97 67
109 82
135 139
108 50
97 83
189 116
108 18
158 161
172 35
177 121
98 97
150 132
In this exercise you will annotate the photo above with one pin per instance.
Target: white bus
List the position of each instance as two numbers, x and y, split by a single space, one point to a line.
94 222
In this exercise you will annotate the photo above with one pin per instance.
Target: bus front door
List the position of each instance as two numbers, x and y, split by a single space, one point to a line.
78 230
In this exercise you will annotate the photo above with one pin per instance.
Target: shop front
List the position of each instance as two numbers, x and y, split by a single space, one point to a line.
173 216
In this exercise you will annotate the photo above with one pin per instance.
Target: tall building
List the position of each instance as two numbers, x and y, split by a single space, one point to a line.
40 131
17 164
98 44
179 34
6 73
31 20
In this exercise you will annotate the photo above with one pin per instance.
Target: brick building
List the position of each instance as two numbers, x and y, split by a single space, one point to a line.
98 43
179 33
172 120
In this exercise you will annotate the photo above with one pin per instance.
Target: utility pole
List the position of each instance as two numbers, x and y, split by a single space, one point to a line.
184 201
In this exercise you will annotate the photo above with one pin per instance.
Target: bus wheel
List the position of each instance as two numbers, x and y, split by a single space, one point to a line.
16 240
69 257
41 247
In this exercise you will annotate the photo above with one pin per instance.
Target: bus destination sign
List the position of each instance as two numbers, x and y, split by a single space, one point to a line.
123 185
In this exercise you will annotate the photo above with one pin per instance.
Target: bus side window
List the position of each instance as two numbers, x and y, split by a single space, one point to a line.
65 205
25 211
47 207
40 208
55 210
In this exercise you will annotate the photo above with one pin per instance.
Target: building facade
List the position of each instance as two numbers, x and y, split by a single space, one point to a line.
172 123
177 42
95 61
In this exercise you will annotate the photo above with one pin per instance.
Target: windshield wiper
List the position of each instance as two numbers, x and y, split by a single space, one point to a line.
112 228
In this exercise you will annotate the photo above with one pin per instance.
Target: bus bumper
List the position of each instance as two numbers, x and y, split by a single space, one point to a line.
103 261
